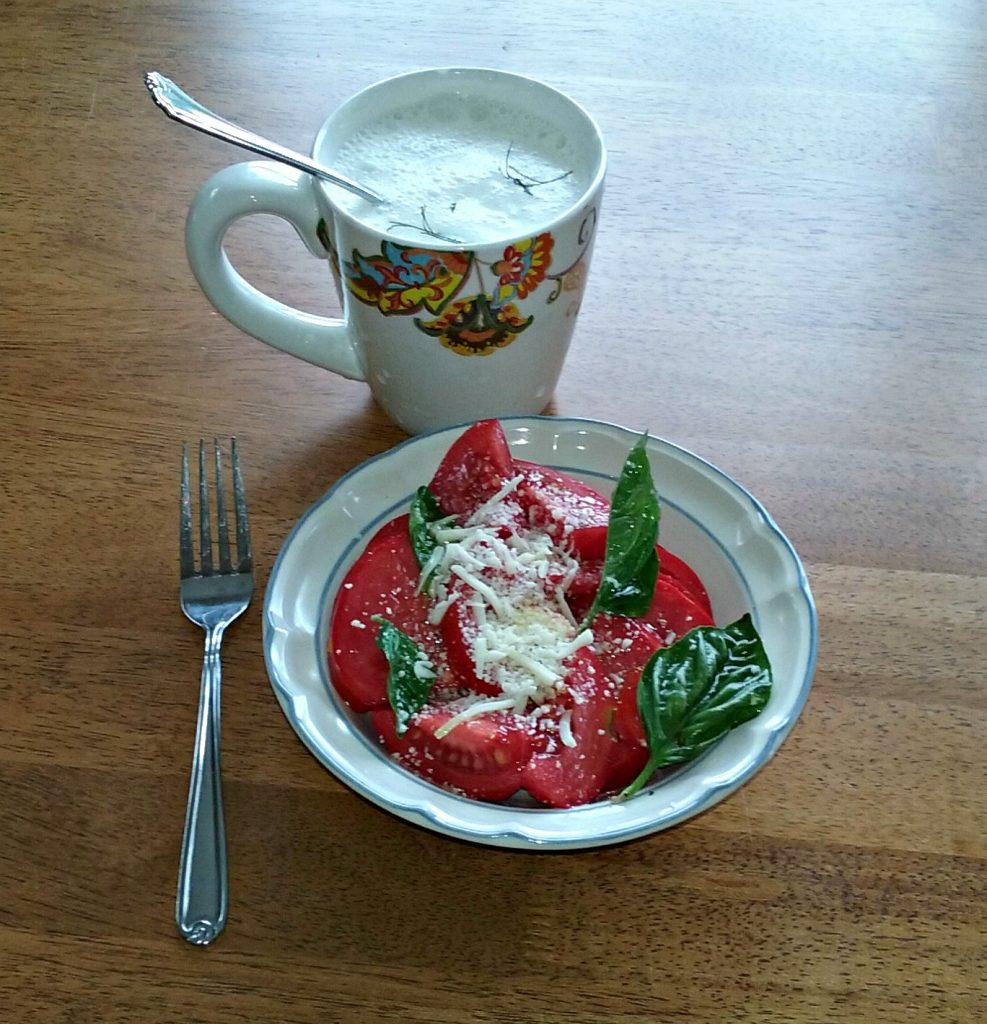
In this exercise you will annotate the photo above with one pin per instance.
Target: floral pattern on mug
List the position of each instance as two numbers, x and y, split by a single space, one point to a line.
523 267
405 280
475 326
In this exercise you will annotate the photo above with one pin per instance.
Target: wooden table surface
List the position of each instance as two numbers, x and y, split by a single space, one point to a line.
790 279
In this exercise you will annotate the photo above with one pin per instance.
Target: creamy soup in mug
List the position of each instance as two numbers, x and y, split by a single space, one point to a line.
462 169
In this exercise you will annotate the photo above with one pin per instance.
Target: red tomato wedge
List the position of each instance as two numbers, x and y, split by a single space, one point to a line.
382 581
624 646
560 775
459 630
674 611
625 762
673 571
679 571
672 614
568 510
477 465
571 511
483 757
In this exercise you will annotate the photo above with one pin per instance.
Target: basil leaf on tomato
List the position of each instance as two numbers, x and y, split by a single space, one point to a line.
630 562
410 674
424 512
694 692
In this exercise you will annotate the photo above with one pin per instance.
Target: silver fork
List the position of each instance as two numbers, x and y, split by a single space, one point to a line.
212 598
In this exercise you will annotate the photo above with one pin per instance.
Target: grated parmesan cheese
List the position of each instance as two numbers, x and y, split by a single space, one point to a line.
473 710
514 580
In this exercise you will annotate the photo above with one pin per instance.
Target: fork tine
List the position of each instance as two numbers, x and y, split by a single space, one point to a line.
222 528
205 535
186 558
244 559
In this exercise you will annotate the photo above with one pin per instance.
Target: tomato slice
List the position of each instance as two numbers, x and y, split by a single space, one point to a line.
584 586
624 646
483 757
573 512
674 611
674 571
678 570
568 510
459 630
625 762
589 542
477 465
560 775
672 614
382 581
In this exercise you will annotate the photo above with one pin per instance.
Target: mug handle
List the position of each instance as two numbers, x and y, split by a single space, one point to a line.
263 187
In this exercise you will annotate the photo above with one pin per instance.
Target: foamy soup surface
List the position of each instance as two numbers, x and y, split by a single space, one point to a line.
462 169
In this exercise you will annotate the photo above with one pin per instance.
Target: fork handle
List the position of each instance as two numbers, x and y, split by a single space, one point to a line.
203 883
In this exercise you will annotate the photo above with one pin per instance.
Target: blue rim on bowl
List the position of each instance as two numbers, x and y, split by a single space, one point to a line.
708 518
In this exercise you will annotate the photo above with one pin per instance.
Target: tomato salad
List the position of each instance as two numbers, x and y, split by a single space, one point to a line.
516 630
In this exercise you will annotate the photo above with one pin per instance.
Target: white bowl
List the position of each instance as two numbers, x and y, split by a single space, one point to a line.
707 518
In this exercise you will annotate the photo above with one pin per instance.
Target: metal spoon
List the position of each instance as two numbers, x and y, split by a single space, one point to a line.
179 106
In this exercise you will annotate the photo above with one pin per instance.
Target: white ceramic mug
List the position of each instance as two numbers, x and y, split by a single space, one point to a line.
455 307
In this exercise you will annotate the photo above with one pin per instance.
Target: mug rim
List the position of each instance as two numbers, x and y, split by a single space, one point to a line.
325 189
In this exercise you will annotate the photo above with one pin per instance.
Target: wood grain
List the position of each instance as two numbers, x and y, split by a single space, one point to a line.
790 278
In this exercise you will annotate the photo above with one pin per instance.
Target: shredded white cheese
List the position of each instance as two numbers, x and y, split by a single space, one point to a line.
473 710
513 578
483 589
491 503
423 667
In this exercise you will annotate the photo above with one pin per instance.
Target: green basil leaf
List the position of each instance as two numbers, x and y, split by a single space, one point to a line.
410 674
691 694
424 512
630 563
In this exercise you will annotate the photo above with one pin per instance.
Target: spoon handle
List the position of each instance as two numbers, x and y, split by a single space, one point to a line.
179 106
